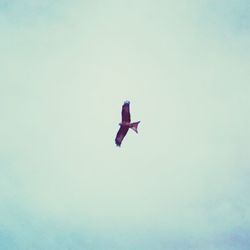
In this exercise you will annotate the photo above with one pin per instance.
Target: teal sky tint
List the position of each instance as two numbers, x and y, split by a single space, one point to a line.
65 70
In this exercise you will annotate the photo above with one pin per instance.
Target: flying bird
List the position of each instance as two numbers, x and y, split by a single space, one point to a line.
125 125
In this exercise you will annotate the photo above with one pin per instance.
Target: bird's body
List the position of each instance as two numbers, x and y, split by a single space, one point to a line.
132 125
125 125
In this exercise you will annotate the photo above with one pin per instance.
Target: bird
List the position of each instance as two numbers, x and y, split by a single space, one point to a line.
125 124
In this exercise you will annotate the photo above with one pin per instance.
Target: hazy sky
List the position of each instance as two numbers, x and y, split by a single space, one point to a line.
65 69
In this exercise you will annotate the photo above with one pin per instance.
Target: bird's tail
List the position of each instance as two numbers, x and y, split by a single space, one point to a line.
134 126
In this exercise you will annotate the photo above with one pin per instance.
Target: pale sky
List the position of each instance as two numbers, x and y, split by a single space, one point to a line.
66 68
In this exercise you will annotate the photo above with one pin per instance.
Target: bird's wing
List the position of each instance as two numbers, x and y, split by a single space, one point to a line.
125 112
120 135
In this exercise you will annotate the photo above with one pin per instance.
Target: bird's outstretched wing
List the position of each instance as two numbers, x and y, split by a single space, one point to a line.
120 135
125 112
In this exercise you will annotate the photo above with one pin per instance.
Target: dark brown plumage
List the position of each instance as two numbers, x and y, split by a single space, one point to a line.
125 124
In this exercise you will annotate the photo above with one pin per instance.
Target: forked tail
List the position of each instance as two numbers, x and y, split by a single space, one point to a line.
134 126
